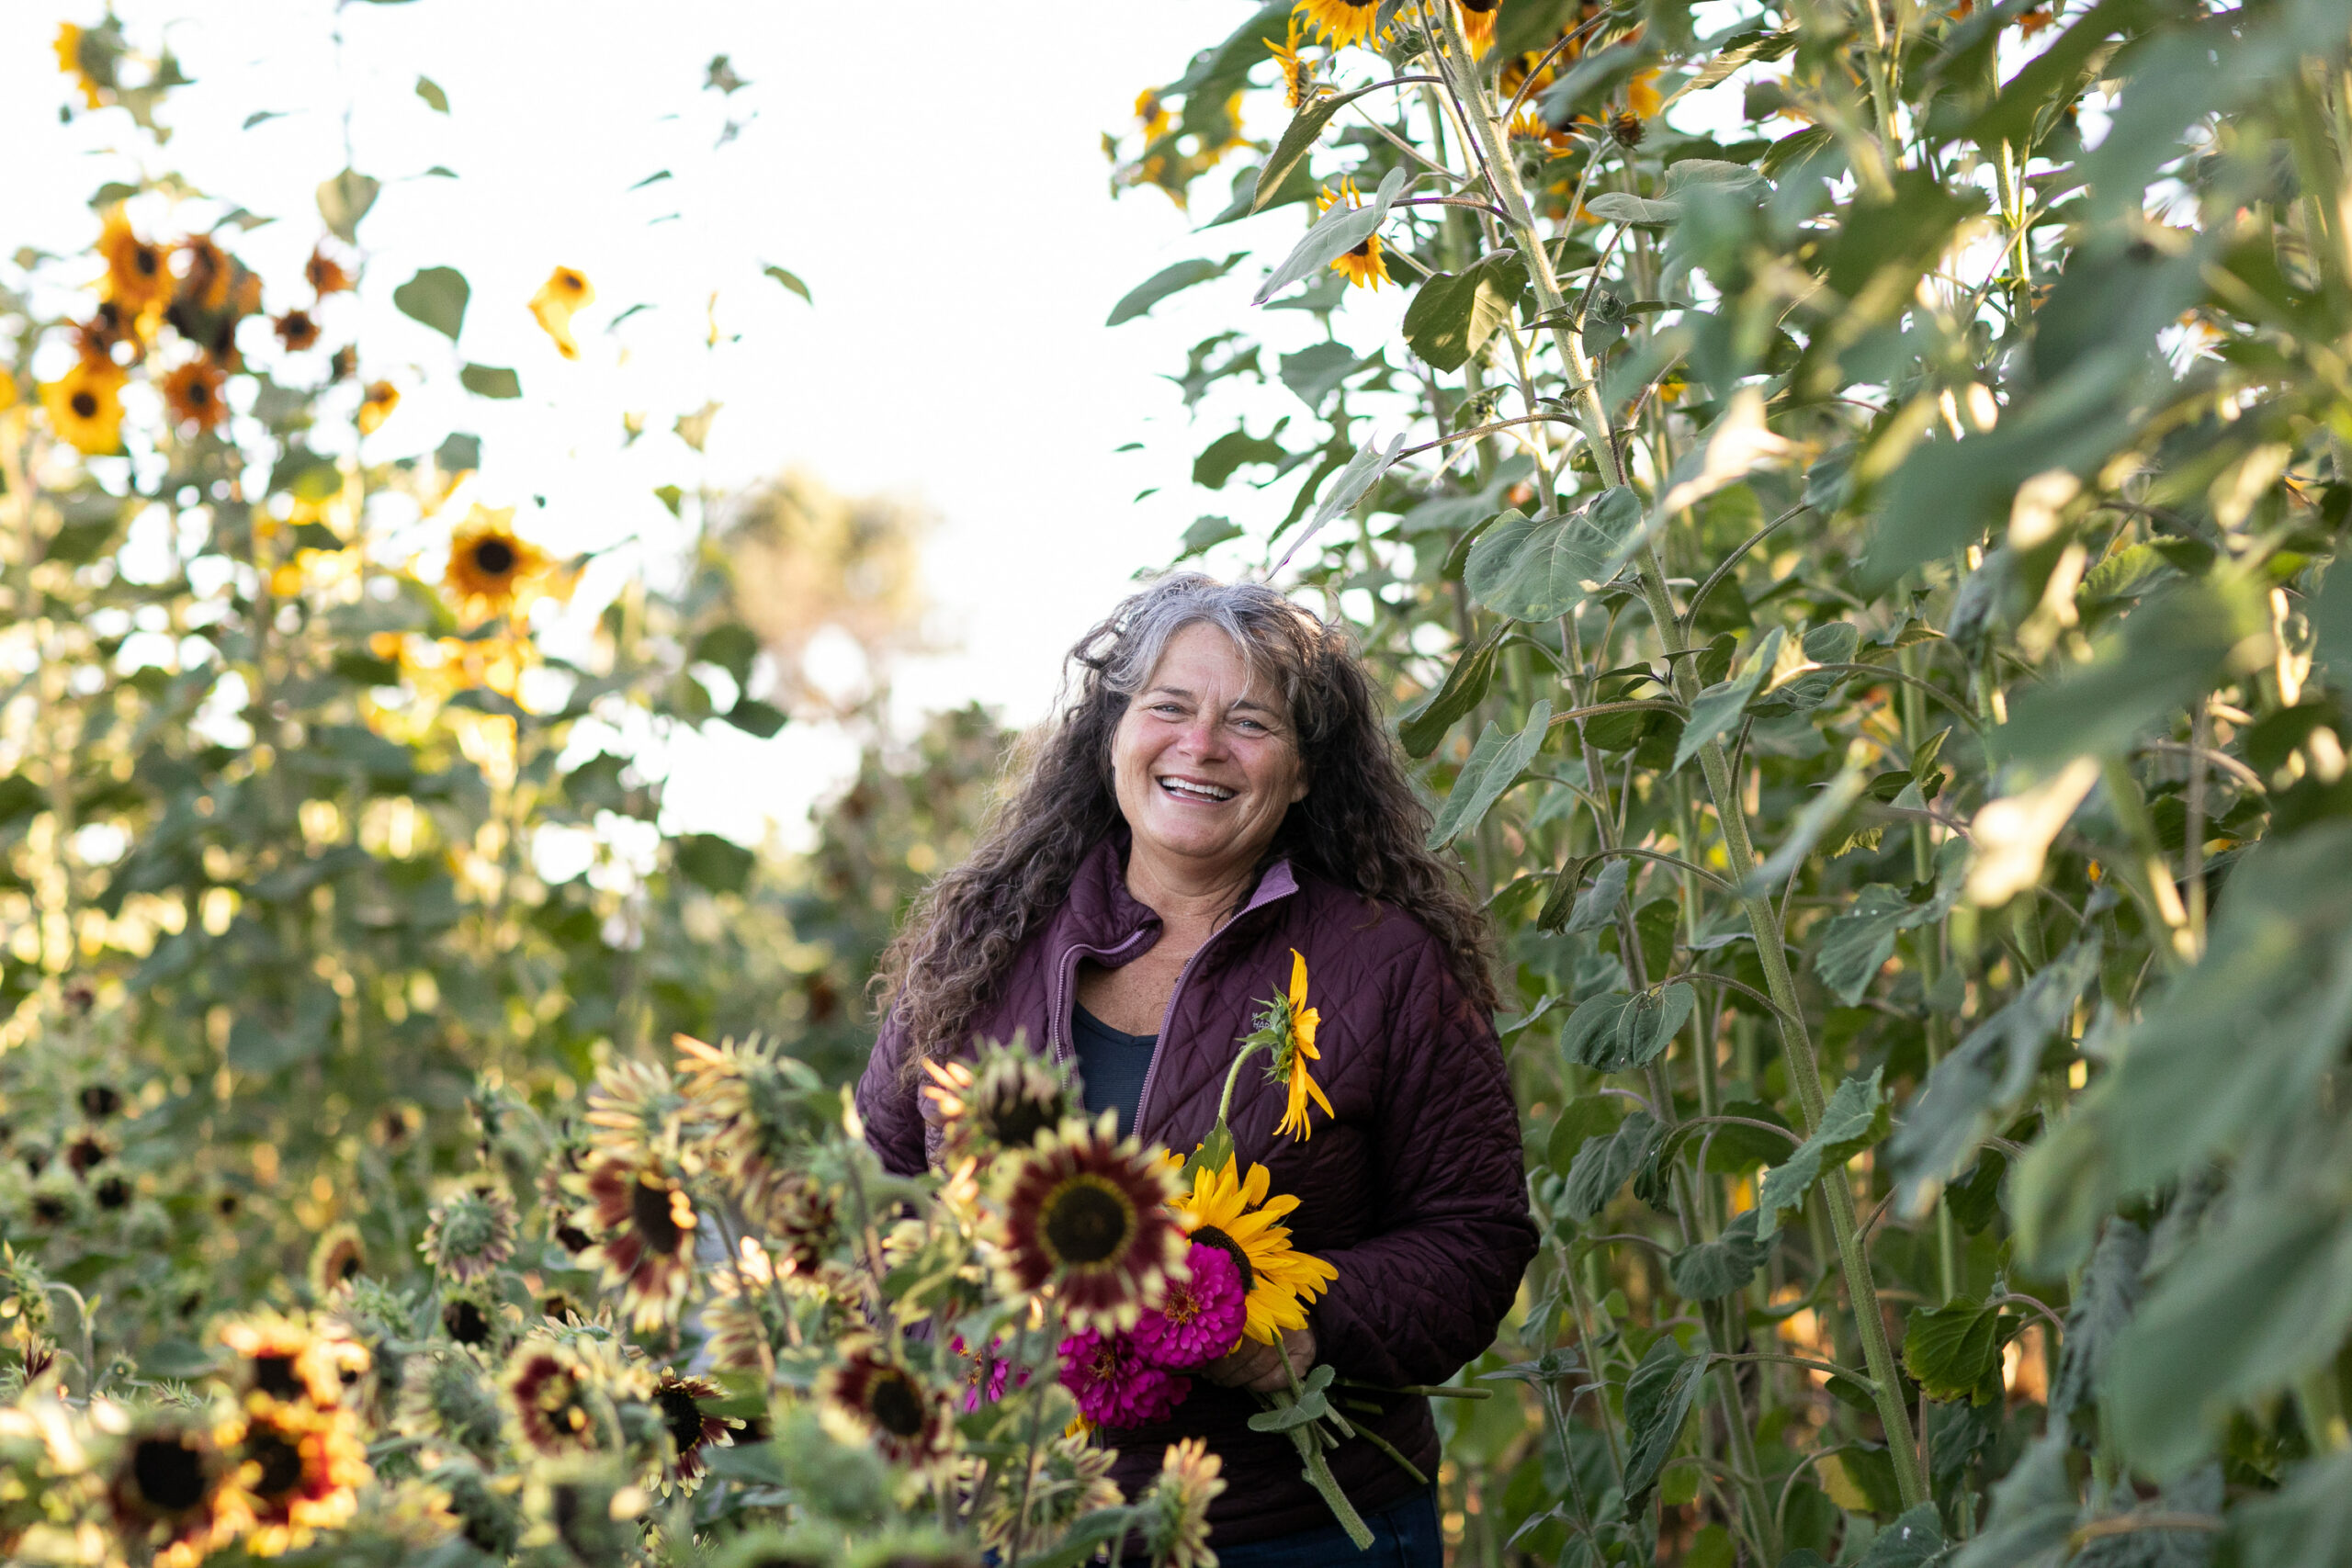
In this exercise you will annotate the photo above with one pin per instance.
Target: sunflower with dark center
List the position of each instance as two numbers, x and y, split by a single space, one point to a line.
85 1153
768 1106
194 393
1626 129
165 1490
206 273
85 406
113 1193
868 1394
469 1233
338 1259
298 330
1343 22
1478 23
492 568
1086 1215
280 1359
548 1388
324 274
645 1223
377 406
1363 263
1004 1101
107 329
444 1393
693 1431
136 276
101 1101
468 1320
298 1471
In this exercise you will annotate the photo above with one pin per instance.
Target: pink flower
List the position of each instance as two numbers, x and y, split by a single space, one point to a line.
1200 1318
985 1378
1114 1386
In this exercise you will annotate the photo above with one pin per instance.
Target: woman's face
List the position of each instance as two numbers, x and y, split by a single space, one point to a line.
1203 759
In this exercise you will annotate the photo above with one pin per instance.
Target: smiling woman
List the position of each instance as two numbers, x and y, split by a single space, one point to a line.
1219 812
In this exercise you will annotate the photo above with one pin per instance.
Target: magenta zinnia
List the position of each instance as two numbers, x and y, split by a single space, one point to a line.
1203 1316
1086 1215
1114 1385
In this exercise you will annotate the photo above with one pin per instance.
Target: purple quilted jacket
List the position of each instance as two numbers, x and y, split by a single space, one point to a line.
1414 1191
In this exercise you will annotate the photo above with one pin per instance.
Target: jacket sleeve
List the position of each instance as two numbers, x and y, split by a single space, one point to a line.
1417 1300
890 1107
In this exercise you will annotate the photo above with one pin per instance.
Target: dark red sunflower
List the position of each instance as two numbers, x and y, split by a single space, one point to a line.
548 1388
164 1492
1087 1214
298 330
693 1431
644 1222
869 1394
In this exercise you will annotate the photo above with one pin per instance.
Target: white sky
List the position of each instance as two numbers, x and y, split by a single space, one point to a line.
938 181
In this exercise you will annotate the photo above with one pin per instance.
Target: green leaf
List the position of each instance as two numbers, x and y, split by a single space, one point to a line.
2305 1523
1658 1395
1604 1165
1710 1271
435 98
1614 1034
344 200
1336 233
1495 762
1990 1074
669 496
1716 709
1585 1117
791 280
719 864
1298 140
1915 1540
1169 280
261 117
1208 532
1535 569
1349 486
1859 941
1235 448
490 381
458 453
1806 831
1454 313
2170 648
2103 1304
1314 372
1954 1350
436 297
1465 688
1596 906
731 645
2034 1511
1855 1118
1616 207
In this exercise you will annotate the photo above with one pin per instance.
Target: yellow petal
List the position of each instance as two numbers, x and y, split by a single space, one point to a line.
566 289
1297 979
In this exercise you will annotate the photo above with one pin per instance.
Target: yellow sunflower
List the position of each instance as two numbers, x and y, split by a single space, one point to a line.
72 61
1292 1057
206 273
136 276
377 406
566 289
1642 95
1298 76
1478 23
1343 22
1152 114
1234 1212
85 407
193 392
492 570
1364 264
325 275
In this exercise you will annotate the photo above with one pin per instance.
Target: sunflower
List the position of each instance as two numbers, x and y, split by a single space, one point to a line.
633 1111
868 1394
1004 1101
344 364
282 1360
109 328
338 1259
1478 23
1176 1521
645 1223
484 1513
492 570
1152 114
741 1316
193 393
137 276
298 330
377 407
1287 1026
85 407
1343 22
324 274
298 1471
1642 95
1626 129
470 1316
767 1106
1298 76
164 1492
73 59
1069 1478
549 1389
1235 1213
1364 264
693 1431
471 1232
1085 1212
566 289
445 1394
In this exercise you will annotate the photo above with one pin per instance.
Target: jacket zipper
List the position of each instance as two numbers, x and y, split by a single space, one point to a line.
1151 1069
1059 1018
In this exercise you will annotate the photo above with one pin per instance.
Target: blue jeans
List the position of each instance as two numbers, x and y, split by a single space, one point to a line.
1406 1535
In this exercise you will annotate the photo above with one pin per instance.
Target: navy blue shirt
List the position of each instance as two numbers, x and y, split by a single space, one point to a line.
1111 1067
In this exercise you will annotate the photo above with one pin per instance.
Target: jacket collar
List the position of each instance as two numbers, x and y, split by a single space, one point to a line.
1102 915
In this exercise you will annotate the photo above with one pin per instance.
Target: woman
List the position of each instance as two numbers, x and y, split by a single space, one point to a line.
1220 793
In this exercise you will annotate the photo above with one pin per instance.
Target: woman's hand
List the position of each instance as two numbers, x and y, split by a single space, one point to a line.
1258 1368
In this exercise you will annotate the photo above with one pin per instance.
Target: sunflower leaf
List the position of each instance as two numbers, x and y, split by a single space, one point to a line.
1535 569
1464 685
491 381
1712 1269
1615 1034
1336 233
435 295
1298 140
1605 1164
1657 1401
435 98
1454 313
1716 709
1166 281
1855 1118
790 280
1953 1351
1495 762
344 200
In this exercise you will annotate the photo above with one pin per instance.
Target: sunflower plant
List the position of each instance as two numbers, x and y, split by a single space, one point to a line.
1846 507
